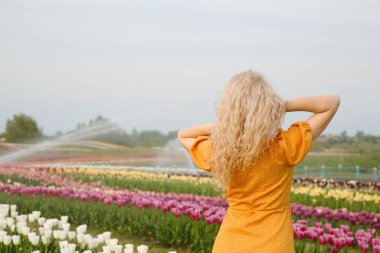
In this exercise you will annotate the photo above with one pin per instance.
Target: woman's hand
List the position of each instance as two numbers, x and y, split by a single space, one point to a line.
323 107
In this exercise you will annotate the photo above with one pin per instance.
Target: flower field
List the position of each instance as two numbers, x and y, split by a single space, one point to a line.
33 233
181 211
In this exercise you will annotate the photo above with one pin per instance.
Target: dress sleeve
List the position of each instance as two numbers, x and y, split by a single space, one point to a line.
297 141
200 152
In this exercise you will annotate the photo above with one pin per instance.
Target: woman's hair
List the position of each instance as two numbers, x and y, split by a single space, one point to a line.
249 114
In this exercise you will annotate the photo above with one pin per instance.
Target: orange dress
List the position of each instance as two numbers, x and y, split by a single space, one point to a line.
258 218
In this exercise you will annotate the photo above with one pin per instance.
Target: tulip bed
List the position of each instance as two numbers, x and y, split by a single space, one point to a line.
327 217
336 198
34 233
359 196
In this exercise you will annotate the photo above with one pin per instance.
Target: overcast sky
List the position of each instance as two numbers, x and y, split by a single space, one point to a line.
154 64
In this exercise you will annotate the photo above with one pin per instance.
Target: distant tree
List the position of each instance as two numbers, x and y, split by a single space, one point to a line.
359 134
147 138
91 122
98 119
343 137
80 125
22 128
151 138
172 134
135 132
59 133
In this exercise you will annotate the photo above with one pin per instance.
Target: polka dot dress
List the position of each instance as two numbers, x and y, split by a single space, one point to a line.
258 218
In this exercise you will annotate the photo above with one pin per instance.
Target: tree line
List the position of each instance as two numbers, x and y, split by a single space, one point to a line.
24 129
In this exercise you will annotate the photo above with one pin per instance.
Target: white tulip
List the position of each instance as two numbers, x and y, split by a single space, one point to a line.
60 224
14 214
82 229
13 208
107 235
45 239
71 235
94 243
41 221
36 214
142 249
31 218
25 230
111 242
87 238
4 209
33 238
12 228
83 245
55 222
72 247
101 238
10 221
3 224
2 234
129 248
80 238
106 249
7 240
41 230
63 244
16 239
36 251
66 227
118 249
48 224
48 233
19 226
63 235
65 219
23 217
36 240
56 234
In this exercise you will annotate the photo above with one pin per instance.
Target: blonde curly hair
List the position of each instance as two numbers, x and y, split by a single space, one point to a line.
249 113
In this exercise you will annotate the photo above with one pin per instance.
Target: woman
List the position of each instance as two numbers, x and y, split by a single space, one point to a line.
252 159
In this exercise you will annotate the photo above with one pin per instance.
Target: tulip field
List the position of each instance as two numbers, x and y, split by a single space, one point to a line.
182 212
54 234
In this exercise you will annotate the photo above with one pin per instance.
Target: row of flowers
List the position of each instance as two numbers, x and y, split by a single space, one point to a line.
205 178
32 232
48 177
336 183
201 178
312 187
354 200
212 209
338 237
337 194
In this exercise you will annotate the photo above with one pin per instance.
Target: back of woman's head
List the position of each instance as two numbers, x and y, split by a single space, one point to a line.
249 114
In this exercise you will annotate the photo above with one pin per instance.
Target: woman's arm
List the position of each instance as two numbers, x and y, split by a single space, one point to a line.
324 108
187 135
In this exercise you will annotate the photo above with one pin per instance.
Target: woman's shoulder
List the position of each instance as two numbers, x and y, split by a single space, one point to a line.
296 141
